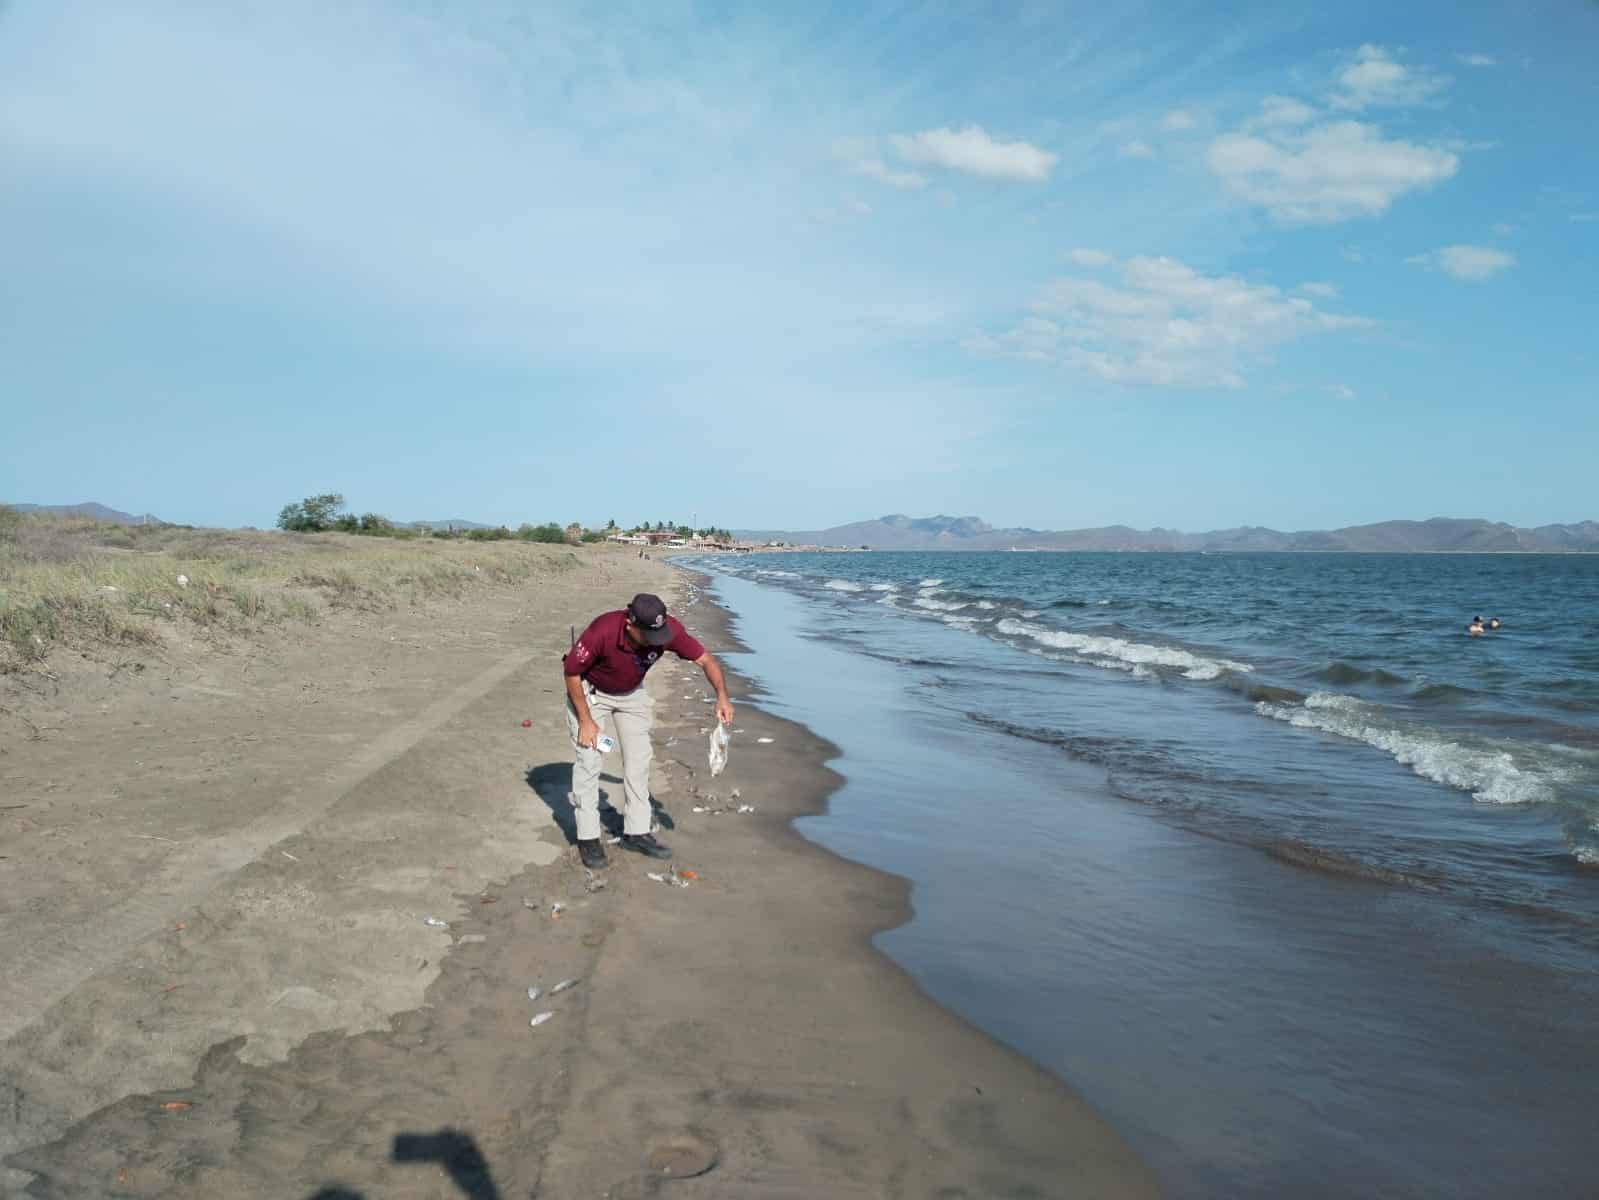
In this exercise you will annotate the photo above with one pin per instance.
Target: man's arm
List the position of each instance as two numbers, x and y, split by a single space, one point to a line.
587 728
713 675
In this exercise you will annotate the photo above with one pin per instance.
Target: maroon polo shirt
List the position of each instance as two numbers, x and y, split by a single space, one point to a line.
604 656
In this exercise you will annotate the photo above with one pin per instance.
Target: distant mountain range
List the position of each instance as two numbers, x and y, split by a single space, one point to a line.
100 512
450 523
1439 535
90 509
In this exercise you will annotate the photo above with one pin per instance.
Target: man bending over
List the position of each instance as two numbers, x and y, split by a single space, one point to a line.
605 671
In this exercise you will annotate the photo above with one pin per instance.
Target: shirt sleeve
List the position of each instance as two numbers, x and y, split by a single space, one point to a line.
585 652
684 645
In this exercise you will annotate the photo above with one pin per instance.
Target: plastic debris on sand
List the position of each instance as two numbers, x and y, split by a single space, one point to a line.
720 739
540 1018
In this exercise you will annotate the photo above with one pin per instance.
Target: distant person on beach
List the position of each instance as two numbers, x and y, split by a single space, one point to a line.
605 671
1475 627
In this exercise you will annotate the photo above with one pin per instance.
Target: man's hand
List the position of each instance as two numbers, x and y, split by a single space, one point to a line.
587 732
724 710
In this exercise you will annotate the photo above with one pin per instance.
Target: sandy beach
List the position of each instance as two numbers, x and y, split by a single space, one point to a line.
224 977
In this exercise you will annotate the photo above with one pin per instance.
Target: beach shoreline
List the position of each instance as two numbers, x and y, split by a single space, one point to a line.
745 1021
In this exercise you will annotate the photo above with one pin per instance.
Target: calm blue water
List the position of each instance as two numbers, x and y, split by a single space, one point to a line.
1260 853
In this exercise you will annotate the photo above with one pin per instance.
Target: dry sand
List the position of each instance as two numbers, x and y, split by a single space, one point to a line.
218 979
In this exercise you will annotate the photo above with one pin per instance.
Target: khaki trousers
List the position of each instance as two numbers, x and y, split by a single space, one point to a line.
631 717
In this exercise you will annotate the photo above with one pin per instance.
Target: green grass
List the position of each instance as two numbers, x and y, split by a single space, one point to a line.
67 581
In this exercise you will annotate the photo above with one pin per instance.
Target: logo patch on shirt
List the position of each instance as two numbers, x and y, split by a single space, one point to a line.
580 652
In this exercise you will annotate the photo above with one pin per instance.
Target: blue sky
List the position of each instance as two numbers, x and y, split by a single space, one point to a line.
785 266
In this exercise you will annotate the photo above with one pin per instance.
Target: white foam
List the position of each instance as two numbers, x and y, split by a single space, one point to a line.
1489 773
885 587
986 604
927 583
1136 670
1092 647
843 585
938 605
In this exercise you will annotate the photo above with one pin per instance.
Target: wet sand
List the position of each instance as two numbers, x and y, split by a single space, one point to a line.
220 982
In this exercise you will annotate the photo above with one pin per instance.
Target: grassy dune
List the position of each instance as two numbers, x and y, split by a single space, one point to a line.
69 581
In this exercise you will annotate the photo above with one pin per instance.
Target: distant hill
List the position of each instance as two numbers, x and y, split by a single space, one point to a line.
451 523
1438 535
98 512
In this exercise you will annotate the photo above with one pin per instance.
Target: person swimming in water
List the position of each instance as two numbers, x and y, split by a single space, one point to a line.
1475 627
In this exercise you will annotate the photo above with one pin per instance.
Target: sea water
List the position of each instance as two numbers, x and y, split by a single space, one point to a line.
1261 853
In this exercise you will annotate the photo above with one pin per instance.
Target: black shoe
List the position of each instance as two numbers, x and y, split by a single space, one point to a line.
592 853
645 843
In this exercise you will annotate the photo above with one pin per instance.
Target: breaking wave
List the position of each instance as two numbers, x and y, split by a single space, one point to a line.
1491 774
844 585
1123 654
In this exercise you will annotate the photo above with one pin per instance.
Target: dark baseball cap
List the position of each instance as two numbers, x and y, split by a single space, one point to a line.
649 614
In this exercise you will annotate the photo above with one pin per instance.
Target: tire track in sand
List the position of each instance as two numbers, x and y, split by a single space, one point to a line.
40 975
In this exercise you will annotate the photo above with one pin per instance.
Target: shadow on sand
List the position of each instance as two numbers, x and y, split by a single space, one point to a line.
451 1149
552 783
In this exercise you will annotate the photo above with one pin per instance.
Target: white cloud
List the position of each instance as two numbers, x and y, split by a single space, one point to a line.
1136 150
875 168
1330 172
973 151
863 158
1375 79
1477 60
1165 325
1178 121
1283 110
1466 262
1326 291
1090 258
